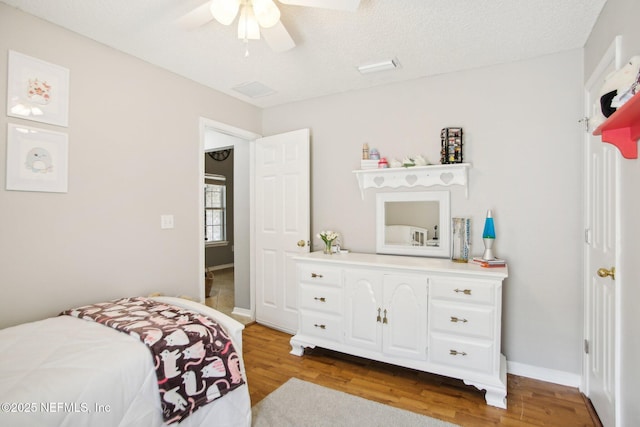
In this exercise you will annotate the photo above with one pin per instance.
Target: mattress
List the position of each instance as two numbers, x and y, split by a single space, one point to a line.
66 371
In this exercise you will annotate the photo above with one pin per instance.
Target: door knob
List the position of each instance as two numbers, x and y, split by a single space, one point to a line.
301 243
603 272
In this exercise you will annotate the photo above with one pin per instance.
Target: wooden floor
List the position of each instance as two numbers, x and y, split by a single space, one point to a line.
530 402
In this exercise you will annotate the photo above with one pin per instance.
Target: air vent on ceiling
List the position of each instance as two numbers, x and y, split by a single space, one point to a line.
254 89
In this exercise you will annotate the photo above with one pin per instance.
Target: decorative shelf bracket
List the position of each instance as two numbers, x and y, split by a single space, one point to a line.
426 176
622 128
625 139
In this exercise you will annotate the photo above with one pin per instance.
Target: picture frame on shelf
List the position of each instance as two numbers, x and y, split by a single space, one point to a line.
37 159
37 90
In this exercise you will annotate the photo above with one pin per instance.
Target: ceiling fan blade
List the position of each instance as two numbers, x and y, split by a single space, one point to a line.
278 38
350 5
196 18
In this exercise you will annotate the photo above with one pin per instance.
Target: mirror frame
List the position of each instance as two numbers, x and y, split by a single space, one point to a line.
444 227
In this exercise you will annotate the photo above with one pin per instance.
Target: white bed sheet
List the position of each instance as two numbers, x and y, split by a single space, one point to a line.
70 372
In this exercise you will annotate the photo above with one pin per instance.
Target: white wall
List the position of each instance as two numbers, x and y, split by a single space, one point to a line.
133 155
524 142
620 17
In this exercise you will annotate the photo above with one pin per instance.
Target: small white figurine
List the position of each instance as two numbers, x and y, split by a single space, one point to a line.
395 163
420 161
407 162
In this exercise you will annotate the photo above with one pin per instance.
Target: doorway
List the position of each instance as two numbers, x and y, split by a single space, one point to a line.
219 229
218 137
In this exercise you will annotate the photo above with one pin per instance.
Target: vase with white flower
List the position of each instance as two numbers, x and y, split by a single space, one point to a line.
328 237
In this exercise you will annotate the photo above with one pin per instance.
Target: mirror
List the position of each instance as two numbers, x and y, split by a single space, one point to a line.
413 223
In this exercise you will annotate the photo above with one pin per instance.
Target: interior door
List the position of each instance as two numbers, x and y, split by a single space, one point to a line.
282 224
602 166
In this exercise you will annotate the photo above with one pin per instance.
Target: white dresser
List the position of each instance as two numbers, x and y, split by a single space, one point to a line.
428 314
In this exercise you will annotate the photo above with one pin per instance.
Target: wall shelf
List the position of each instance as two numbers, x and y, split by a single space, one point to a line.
622 128
426 176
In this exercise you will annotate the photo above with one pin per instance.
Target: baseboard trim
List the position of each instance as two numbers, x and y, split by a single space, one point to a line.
242 312
219 267
544 374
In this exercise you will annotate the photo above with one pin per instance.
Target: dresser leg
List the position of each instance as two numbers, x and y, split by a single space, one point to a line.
496 397
496 391
297 347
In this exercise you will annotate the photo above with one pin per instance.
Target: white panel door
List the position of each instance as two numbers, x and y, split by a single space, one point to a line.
282 224
405 316
602 168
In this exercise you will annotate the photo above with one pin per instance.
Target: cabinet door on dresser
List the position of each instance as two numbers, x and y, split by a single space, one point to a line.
405 315
386 312
464 323
363 308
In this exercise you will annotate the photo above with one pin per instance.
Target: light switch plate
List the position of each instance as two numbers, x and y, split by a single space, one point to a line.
166 221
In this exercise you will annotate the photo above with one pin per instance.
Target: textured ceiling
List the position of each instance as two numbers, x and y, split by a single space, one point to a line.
427 37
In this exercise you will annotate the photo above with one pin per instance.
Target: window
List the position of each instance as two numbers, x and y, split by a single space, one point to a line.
215 209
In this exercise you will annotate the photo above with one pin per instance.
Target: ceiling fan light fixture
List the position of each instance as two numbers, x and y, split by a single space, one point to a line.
266 12
248 28
224 11
390 64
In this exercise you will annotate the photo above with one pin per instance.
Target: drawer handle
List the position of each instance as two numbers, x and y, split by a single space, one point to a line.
457 353
314 275
464 291
457 319
321 299
321 326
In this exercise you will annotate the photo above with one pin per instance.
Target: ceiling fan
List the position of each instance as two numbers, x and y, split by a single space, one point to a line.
257 17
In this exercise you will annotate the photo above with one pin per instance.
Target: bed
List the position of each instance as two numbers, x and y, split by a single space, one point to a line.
67 371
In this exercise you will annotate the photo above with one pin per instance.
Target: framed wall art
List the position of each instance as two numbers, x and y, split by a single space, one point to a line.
37 159
37 90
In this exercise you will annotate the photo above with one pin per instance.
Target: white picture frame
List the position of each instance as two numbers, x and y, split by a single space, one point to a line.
37 90
37 159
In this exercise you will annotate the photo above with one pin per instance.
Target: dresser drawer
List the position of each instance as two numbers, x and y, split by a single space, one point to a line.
320 325
476 356
465 290
319 274
321 298
465 319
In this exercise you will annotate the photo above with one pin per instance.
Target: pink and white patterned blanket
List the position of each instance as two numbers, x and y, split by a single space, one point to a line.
194 358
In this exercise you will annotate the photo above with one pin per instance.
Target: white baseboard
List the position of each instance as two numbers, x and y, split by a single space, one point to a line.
219 267
544 374
242 312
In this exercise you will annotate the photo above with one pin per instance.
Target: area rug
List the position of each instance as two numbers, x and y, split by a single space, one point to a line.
298 403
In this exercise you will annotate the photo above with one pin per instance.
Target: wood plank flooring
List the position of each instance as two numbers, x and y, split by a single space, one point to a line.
530 402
